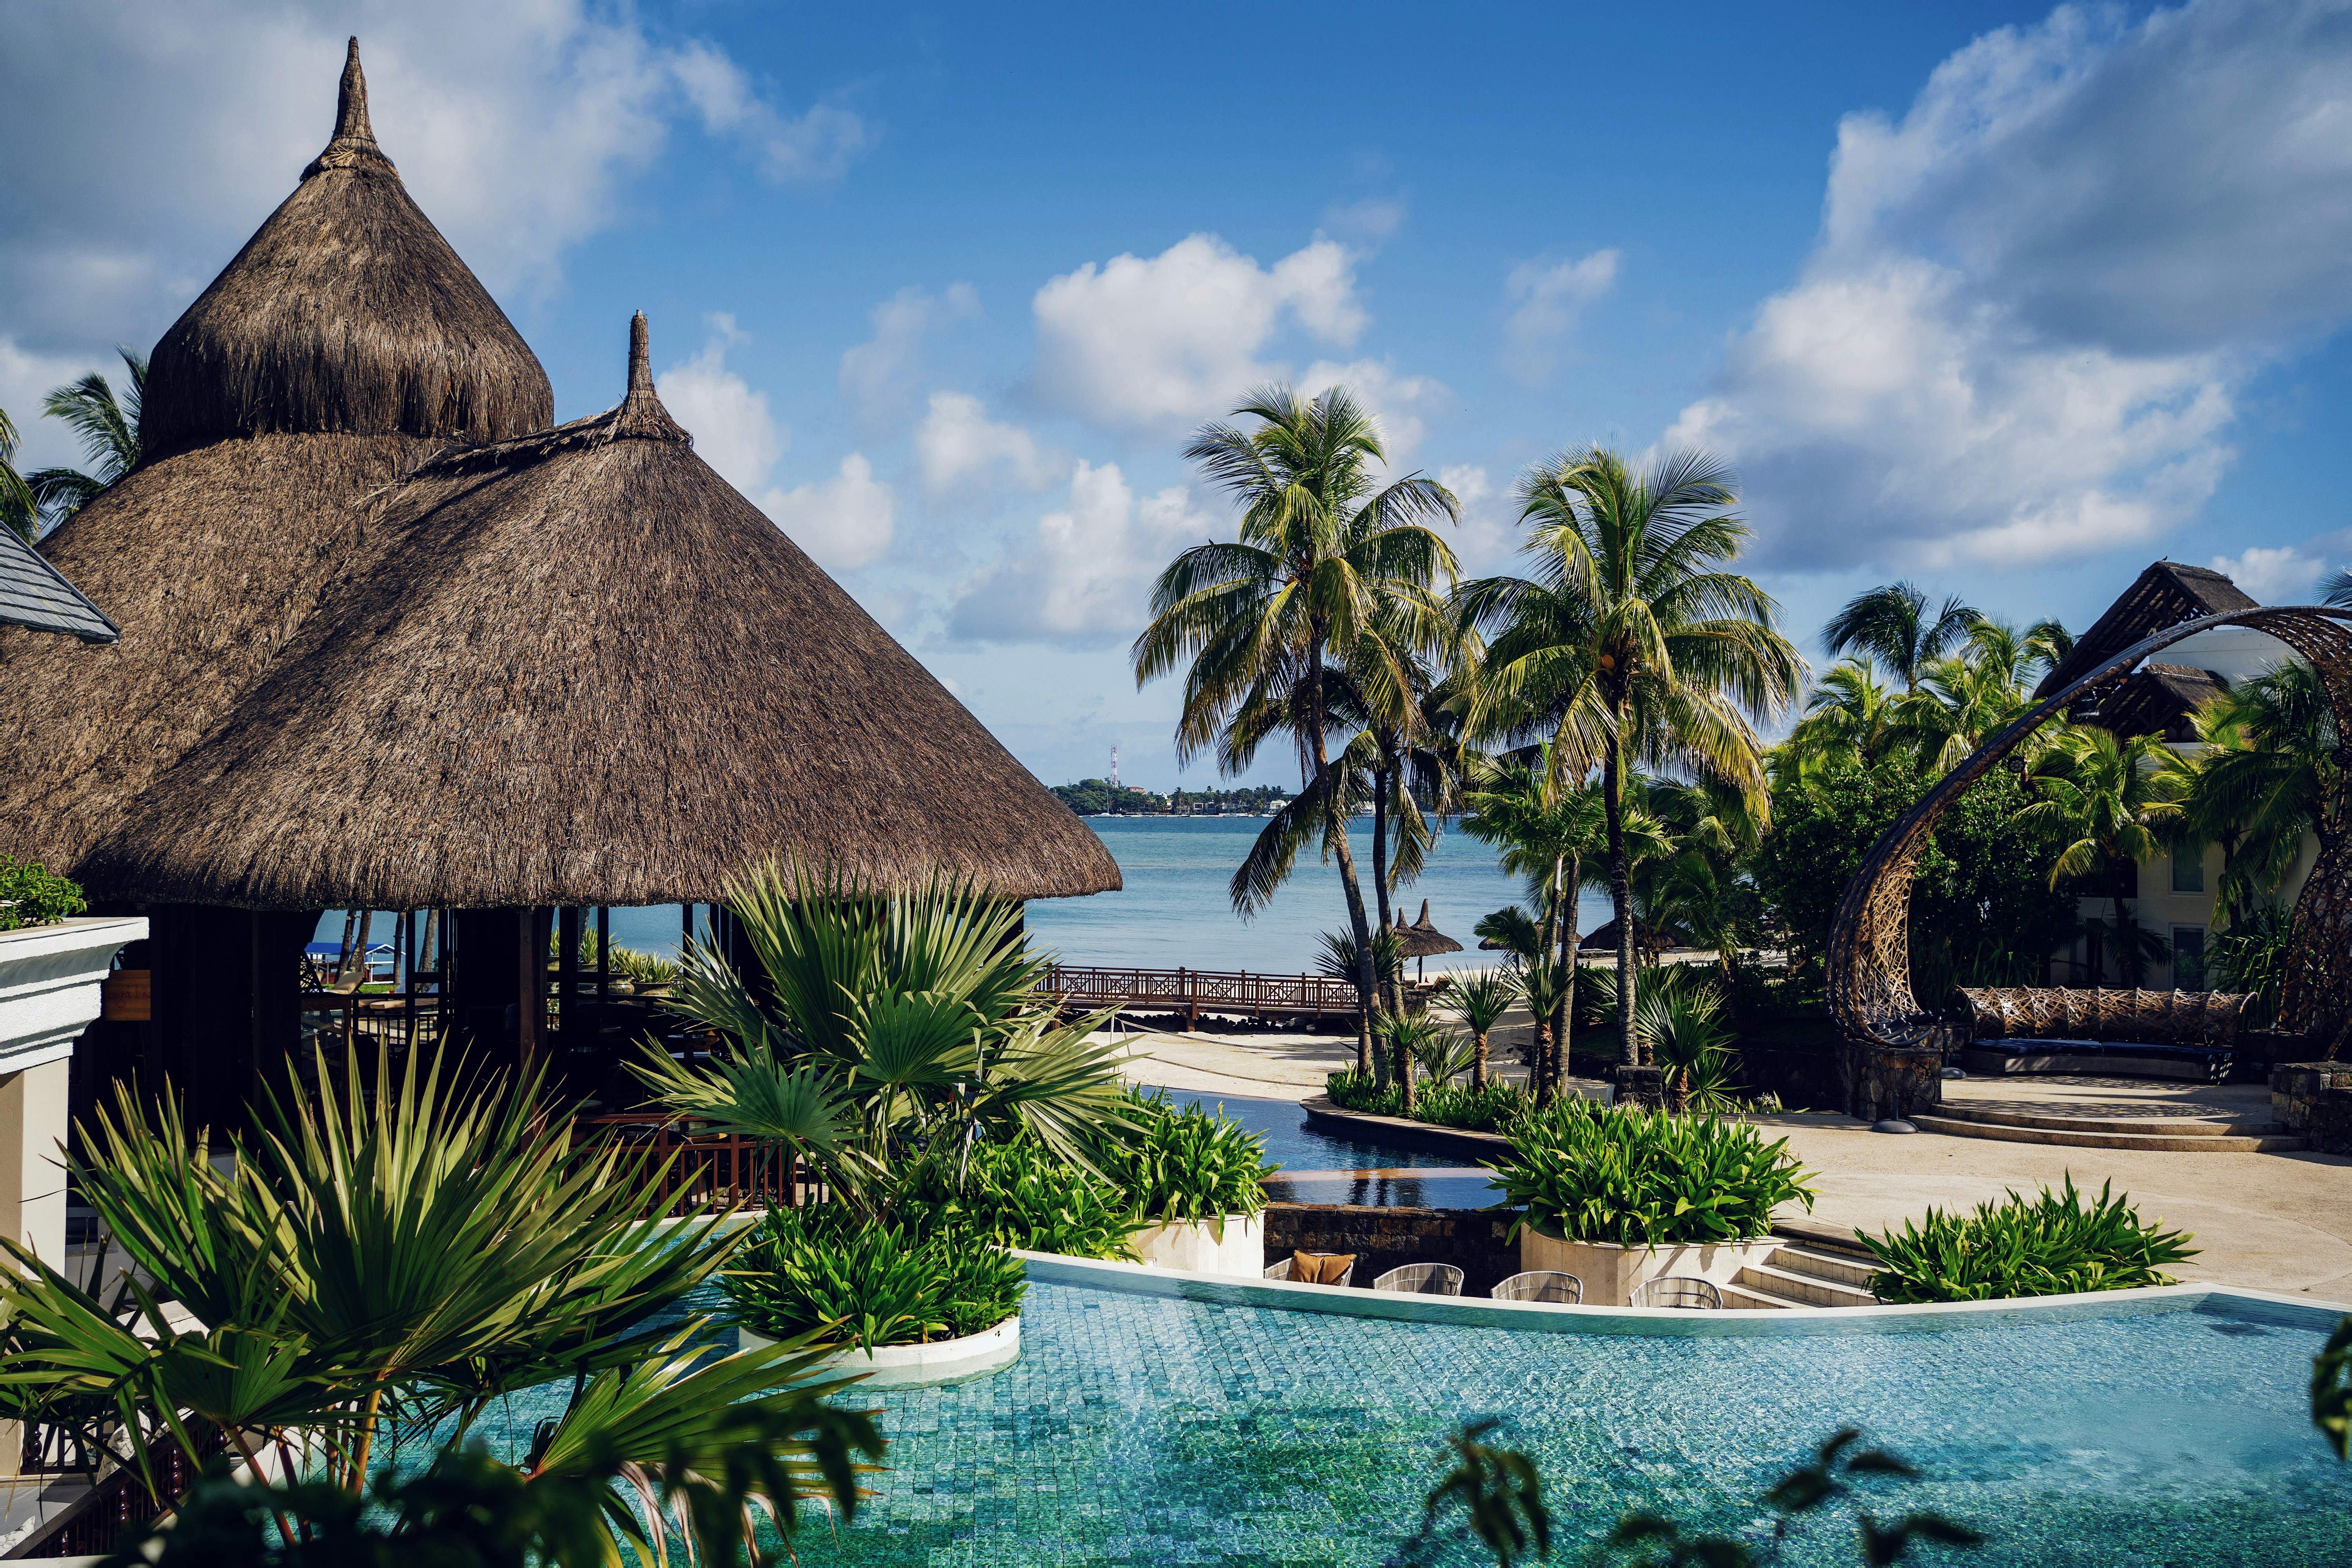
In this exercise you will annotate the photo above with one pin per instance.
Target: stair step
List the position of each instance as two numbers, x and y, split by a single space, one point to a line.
1838 1268
1802 1290
1749 1296
1959 1127
2139 1126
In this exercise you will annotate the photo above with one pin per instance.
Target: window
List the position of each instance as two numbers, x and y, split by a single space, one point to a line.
2188 958
2188 868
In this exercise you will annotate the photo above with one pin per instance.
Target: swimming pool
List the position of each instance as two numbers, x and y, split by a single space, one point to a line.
1152 1429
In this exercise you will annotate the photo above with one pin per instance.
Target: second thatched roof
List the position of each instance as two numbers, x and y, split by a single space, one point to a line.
585 670
1424 939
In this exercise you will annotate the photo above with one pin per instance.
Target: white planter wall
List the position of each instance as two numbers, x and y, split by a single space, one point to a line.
1611 1274
49 979
1195 1248
910 1367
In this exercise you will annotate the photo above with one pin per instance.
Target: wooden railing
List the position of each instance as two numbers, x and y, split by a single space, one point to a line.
1196 991
722 1168
96 1522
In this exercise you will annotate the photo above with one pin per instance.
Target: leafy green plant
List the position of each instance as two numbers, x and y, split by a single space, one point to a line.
1481 999
2251 956
1487 1109
1361 1091
29 896
2053 1244
1189 1165
1021 1195
1443 1054
2331 1390
833 1274
1636 1178
644 970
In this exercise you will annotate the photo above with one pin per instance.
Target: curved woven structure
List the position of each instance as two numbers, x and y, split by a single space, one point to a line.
1869 957
2153 1018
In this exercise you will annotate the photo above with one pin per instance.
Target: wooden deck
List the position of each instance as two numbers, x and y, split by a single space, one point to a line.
1193 992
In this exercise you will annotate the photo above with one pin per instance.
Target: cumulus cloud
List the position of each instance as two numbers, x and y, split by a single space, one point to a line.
1159 342
1489 534
2038 297
845 521
514 127
1546 302
962 451
1373 219
730 421
879 377
1084 579
2283 575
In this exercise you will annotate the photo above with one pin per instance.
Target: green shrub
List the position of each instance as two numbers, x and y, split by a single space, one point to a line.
643 969
1639 1178
29 896
1489 1110
868 1282
1020 1195
1190 1164
1352 1090
2049 1245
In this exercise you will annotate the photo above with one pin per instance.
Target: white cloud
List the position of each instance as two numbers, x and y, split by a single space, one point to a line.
1403 405
1489 534
1373 218
515 127
2272 577
1162 343
1085 578
1546 302
2038 297
879 376
729 422
961 451
847 521
24 379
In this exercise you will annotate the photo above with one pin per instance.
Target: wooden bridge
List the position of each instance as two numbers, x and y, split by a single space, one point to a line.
1192 992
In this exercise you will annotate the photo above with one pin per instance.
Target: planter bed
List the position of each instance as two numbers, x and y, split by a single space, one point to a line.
912 1366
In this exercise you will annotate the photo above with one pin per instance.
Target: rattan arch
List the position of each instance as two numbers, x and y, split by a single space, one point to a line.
1869 957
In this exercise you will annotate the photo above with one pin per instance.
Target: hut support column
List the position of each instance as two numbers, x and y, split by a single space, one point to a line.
531 988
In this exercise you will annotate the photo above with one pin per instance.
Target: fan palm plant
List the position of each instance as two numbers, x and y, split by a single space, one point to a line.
1892 625
1331 569
109 431
1848 714
395 1258
1481 999
1682 1024
896 1027
2260 781
1631 645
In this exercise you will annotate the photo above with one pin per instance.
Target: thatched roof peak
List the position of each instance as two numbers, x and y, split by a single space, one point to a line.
346 313
354 139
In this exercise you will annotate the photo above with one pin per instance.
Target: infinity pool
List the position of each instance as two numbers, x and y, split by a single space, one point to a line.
1142 1429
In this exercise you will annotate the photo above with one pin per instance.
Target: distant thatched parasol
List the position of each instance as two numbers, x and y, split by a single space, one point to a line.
585 670
343 338
1421 940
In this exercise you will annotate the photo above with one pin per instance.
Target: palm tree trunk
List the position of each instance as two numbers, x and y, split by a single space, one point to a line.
1563 1031
1478 1060
1539 1050
1336 834
1629 1053
1381 869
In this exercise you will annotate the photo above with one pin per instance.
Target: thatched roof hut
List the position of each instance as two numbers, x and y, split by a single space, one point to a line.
585 670
1424 939
344 340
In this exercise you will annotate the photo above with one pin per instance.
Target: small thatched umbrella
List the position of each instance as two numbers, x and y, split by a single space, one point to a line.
1422 940
342 339
587 671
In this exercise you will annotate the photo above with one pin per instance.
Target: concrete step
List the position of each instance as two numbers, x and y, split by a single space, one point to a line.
1752 1296
2139 1126
1801 1290
1836 1268
2171 1144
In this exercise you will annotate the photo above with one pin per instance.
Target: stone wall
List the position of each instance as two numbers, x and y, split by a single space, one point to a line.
2314 1098
1381 1239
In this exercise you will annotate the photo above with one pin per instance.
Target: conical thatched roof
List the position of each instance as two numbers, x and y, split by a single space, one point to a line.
1424 939
279 401
346 311
587 671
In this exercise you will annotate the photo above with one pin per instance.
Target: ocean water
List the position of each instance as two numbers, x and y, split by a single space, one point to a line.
1140 1429
1174 912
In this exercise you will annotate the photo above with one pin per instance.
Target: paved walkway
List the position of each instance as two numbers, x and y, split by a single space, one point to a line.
2268 1222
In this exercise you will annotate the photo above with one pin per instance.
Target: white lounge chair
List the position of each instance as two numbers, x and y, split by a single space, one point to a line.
1421 1280
1541 1284
1675 1290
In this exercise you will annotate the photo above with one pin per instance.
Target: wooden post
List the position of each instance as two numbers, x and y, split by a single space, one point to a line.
567 967
531 986
604 953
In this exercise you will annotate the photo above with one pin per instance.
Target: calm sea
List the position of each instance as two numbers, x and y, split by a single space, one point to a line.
1174 911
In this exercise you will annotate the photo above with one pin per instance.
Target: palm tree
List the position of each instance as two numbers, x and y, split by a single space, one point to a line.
1848 714
1331 568
2104 795
1962 698
1482 999
2260 781
1630 644
17 508
1891 624
109 438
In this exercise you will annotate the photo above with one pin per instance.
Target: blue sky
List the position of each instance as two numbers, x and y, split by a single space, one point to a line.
2007 301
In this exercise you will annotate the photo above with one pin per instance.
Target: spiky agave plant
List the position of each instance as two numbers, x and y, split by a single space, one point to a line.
1482 999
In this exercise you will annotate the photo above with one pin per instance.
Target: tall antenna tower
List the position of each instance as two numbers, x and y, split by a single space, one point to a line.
1114 767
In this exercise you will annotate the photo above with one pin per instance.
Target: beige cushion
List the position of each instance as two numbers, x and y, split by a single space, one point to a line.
1319 1269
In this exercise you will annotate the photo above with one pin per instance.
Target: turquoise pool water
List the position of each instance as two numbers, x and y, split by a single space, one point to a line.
1141 1429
